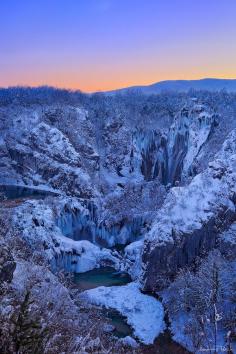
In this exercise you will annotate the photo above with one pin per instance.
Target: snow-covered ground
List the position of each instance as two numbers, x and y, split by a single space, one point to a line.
144 313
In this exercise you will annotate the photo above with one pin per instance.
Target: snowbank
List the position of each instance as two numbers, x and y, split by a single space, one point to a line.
144 313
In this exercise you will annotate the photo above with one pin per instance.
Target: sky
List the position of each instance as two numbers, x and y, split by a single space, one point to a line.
96 45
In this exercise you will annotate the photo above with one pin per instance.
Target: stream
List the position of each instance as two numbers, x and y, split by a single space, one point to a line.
106 276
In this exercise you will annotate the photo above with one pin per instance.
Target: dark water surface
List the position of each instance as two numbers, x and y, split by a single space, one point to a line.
122 329
12 192
105 276
108 276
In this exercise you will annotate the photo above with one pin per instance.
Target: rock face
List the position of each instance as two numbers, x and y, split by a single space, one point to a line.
190 220
171 157
189 132
45 153
163 262
150 155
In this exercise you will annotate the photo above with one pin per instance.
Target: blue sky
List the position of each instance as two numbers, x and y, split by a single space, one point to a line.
105 44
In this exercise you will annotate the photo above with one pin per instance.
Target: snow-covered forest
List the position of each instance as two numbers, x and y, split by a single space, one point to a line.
141 184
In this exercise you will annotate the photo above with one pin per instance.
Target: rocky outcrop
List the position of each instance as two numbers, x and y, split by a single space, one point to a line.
45 154
190 220
164 262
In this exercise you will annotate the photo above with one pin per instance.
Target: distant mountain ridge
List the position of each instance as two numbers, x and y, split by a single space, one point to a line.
209 84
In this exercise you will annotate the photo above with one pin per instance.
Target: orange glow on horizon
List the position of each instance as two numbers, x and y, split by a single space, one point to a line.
107 44
96 84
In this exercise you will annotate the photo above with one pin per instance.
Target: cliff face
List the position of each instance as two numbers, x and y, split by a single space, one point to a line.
192 217
171 156
41 154
188 134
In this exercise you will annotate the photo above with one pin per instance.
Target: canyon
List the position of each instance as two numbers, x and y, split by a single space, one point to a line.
144 184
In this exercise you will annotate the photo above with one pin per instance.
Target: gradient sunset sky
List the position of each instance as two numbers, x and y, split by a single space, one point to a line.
105 44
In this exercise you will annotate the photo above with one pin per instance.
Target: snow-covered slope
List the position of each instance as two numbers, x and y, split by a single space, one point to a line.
144 313
191 218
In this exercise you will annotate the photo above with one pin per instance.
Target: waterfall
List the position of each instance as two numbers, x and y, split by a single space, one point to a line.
149 155
171 157
66 261
83 225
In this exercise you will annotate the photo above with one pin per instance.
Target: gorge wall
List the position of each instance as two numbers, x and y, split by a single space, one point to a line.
126 166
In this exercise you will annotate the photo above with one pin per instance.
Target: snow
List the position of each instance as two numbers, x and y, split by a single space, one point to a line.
47 156
198 134
134 248
63 252
66 148
144 313
178 325
54 143
229 236
178 328
83 114
194 125
86 256
44 233
187 208
133 258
